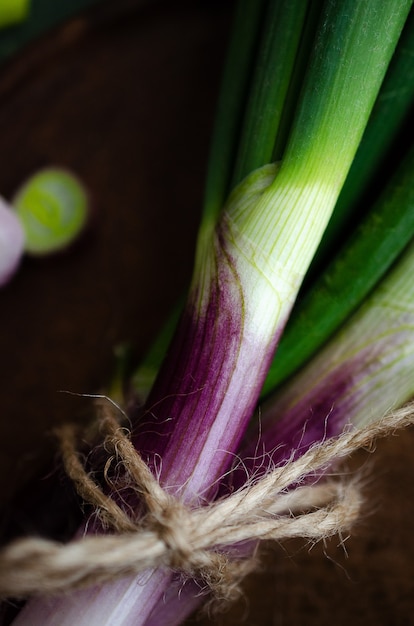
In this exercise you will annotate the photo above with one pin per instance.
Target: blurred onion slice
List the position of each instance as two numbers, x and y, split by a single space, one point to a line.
11 242
53 208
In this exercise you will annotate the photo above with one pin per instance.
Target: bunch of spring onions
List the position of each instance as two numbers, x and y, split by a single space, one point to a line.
305 89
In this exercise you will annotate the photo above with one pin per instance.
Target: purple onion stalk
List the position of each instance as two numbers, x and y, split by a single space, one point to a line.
248 269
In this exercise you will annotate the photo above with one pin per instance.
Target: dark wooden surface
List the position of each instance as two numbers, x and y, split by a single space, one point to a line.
125 97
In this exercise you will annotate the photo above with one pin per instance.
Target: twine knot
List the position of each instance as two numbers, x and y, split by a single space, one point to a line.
169 526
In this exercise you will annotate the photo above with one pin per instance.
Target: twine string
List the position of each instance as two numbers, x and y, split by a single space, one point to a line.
198 542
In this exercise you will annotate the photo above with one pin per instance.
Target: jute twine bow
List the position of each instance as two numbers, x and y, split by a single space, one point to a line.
198 542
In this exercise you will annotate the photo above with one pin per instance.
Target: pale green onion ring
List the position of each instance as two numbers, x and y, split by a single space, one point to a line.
53 208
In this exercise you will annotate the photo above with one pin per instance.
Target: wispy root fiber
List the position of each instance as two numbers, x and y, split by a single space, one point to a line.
204 542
